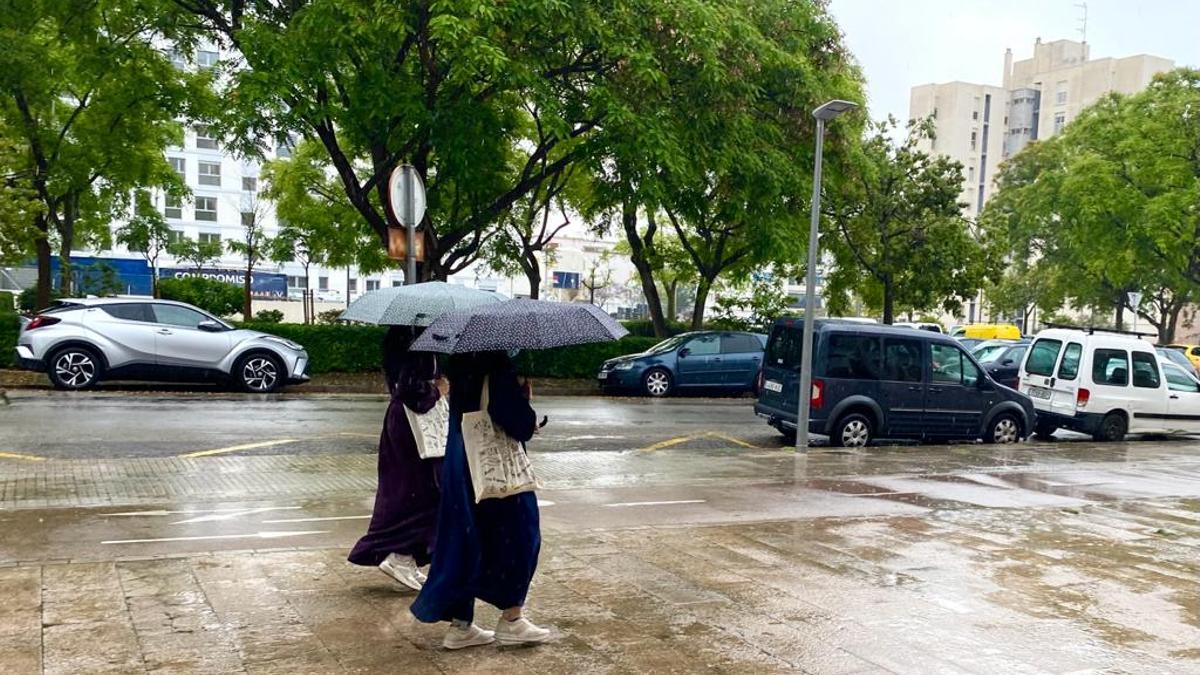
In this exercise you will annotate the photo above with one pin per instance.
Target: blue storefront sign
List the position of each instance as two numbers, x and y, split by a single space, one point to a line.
132 274
267 285
568 280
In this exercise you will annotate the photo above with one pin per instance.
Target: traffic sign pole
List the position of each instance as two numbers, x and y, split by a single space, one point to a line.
406 193
410 275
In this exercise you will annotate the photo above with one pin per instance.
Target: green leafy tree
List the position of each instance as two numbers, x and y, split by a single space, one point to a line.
93 102
213 296
148 234
894 228
198 254
1109 205
254 247
19 205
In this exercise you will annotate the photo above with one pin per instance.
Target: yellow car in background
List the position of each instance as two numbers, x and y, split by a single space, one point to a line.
1190 351
987 331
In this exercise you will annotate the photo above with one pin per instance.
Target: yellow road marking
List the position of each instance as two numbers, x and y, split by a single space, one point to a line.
236 448
731 439
671 442
18 455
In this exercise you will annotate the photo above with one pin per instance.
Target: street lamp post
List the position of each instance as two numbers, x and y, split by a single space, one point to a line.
824 113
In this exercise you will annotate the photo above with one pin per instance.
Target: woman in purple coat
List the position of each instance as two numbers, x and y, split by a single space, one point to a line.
403 527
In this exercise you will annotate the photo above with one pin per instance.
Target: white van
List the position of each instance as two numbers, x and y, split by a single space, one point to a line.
1105 384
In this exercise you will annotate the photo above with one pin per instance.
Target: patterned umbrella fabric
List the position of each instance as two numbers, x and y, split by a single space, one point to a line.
416 305
519 324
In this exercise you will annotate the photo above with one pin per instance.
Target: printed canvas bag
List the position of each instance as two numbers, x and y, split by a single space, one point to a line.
498 463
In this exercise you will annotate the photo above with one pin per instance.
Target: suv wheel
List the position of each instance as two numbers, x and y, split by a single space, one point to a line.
74 368
1112 428
258 373
657 382
1004 429
852 431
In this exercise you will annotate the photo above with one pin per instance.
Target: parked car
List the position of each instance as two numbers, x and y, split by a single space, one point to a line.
1178 358
921 325
988 331
79 342
1192 352
884 382
706 359
1002 360
1104 384
969 343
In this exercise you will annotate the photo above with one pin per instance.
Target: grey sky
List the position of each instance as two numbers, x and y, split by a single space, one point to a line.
902 43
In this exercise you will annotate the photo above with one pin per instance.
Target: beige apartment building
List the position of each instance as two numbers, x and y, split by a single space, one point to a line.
981 125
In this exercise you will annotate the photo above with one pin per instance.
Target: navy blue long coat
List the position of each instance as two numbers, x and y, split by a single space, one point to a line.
486 551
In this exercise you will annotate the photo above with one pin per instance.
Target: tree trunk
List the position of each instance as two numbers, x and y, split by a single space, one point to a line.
247 309
1171 323
702 288
533 272
672 299
43 282
644 270
889 300
1120 315
66 236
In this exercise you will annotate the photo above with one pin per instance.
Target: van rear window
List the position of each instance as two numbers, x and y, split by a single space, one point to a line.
786 346
1042 357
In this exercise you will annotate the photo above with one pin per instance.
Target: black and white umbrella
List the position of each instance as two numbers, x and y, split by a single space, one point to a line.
415 305
519 324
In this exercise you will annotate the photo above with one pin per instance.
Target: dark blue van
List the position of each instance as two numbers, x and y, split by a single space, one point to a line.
873 381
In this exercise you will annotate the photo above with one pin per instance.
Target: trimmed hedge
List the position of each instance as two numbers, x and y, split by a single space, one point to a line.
10 326
645 327
356 349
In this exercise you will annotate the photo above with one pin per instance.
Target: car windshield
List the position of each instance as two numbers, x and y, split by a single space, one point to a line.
668 345
989 353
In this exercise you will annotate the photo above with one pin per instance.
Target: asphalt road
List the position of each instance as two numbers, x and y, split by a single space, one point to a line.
76 426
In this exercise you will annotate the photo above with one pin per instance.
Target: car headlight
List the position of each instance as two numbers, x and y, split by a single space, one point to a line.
285 342
624 365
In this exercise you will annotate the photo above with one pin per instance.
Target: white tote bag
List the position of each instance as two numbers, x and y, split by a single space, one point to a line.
430 429
498 463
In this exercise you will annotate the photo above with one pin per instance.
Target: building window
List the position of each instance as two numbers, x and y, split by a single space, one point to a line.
285 147
249 184
971 174
206 208
372 285
974 139
174 237
322 283
206 58
1060 121
208 238
173 207
1060 95
179 164
351 285
397 283
296 282
247 218
210 173
205 138
176 58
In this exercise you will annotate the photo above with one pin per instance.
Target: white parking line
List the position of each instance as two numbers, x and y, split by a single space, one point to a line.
316 520
680 501
253 535
216 517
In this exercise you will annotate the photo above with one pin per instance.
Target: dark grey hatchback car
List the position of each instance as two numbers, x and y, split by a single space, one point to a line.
872 381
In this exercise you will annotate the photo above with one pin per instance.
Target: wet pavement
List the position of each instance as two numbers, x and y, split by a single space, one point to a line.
692 545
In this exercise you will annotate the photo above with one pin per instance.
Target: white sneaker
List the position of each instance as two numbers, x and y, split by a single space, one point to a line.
402 568
471 636
421 576
520 632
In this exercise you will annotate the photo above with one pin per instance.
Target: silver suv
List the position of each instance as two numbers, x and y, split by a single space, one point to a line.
78 342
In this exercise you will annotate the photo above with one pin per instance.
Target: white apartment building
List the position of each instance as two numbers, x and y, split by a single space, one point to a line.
980 125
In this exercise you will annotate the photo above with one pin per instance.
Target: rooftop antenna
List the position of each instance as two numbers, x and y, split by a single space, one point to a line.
1083 21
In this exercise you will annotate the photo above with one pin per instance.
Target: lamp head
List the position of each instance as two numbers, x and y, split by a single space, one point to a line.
831 109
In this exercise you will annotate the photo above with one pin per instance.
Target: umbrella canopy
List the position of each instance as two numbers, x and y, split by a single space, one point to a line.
519 324
416 305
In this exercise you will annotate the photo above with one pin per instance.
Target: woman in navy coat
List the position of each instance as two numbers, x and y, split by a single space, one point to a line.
486 551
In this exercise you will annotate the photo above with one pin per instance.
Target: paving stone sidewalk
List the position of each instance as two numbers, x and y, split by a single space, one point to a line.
964 591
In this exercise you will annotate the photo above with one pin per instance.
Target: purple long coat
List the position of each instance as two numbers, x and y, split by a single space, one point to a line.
406 501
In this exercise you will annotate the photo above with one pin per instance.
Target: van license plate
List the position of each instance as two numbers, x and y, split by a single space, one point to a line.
1039 392
772 385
